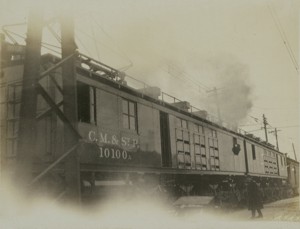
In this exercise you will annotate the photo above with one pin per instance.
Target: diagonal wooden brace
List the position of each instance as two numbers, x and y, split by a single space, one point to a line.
53 164
55 108
48 111
60 63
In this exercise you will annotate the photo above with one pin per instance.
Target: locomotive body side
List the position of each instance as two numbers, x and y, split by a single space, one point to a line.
194 145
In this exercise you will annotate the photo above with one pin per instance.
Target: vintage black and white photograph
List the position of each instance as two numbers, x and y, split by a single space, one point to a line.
137 114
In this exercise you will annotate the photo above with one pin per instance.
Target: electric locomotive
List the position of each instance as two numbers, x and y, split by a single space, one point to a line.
133 139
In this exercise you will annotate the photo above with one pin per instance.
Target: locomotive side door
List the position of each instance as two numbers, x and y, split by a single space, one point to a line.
165 140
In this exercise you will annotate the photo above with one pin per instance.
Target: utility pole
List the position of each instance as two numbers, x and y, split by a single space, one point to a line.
265 126
215 91
276 136
294 151
218 104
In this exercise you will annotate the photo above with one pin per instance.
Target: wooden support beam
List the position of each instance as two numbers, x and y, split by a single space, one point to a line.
27 127
70 105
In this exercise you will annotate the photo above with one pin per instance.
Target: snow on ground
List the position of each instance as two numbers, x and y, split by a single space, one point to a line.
282 210
143 214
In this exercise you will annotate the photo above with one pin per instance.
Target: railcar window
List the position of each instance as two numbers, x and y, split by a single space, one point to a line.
211 142
271 165
181 123
197 139
186 137
198 129
201 130
202 141
184 124
179 134
178 122
216 144
197 150
214 133
213 150
183 149
200 152
234 140
86 102
183 144
129 114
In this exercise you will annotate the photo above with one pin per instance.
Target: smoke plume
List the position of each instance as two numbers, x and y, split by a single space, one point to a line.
233 94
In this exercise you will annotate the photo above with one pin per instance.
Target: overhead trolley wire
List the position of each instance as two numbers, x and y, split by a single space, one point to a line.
113 41
82 44
99 42
188 77
177 76
283 37
94 39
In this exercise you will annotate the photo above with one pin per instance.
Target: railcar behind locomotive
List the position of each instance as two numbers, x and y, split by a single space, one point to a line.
133 137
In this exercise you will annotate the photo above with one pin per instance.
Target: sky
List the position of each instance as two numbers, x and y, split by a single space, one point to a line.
247 49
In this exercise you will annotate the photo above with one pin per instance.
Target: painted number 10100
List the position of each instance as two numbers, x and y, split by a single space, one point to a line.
113 153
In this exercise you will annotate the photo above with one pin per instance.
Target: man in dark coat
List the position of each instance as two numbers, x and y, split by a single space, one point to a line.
255 202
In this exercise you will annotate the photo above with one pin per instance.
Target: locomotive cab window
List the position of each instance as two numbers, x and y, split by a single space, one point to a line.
198 129
86 103
181 123
129 114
